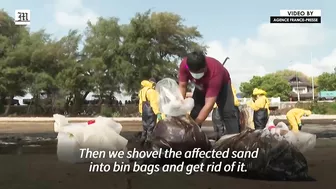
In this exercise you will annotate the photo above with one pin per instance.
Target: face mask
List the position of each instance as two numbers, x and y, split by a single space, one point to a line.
197 75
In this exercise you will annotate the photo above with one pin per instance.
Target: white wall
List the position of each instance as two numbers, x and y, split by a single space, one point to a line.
303 89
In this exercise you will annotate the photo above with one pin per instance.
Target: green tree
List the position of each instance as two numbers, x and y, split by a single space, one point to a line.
274 85
73 80
327 82
290 73
103 57
14 59
114 57
247 87
45 65
153 43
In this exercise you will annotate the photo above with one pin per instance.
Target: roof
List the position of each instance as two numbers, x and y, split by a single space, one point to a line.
302 82
299 78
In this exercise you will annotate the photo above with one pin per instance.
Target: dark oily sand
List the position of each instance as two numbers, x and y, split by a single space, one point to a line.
37 167
44 171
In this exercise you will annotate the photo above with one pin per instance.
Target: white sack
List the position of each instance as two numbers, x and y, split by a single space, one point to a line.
68 148
69 138
104 134
302 140
171 101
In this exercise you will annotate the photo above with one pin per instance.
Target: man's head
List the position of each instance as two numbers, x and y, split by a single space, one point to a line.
257 93
196 63
307 113
152 79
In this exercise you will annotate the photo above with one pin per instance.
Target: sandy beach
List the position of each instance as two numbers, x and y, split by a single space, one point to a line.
41 169
45 124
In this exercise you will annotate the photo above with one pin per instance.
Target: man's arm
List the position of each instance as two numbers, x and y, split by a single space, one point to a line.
258 104
183 78
298 119
183 88
205 111
210 98
140 101
153 98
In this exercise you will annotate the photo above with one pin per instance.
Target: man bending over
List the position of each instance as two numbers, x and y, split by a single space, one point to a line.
212 85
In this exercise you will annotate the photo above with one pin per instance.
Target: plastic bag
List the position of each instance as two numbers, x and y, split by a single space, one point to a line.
171 100
277 160
68 148
60 122
283 126
69 138
103 135
179 134
302 140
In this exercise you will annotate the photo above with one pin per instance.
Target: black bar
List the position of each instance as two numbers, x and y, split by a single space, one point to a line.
296 19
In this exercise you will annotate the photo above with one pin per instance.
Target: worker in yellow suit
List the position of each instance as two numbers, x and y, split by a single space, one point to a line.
294 118
260 105
216 119
148 108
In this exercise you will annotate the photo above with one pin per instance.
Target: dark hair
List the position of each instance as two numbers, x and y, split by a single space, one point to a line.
152 79
196 61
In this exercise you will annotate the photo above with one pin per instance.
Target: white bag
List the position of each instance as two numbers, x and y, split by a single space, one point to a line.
171 100
69 138
68 148
60 122
301 140
102 135
282 125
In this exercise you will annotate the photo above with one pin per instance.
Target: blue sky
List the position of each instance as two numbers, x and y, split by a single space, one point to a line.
216 19
238 29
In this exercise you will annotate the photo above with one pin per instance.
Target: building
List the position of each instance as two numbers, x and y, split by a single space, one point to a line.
303 87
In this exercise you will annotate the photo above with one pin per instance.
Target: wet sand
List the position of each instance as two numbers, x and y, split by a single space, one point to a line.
48 126
44 171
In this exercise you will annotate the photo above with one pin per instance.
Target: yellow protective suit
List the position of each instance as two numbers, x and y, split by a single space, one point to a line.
234 91
294 117
261 101
260 107
147 93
